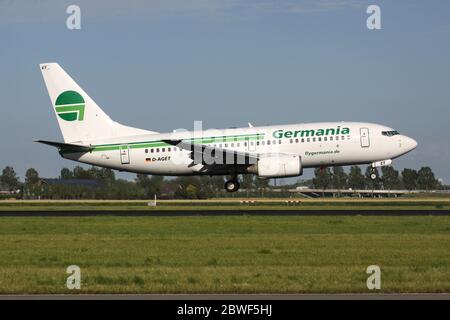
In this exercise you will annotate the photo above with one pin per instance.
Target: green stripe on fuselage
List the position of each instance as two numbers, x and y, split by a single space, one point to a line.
156 144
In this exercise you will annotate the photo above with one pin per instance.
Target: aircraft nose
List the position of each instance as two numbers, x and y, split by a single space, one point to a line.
410 143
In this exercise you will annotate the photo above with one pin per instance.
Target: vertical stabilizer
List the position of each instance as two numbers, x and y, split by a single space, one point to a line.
79 117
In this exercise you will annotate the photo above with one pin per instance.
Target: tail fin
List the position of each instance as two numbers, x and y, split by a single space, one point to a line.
79 117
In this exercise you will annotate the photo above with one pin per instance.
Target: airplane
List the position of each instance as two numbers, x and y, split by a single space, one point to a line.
90 136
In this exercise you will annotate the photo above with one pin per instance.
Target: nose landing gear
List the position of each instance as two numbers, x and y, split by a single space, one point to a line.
373 173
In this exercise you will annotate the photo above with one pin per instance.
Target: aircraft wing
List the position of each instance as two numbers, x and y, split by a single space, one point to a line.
201 153
66 147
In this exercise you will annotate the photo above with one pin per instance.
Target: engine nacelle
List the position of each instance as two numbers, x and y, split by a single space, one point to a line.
277 166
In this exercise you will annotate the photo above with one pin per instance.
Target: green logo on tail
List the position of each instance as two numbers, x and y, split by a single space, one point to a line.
70 106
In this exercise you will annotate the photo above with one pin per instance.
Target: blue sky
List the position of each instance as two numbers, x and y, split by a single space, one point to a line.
161 65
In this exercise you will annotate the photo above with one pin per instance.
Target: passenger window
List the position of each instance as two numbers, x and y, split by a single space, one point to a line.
296 140
337 138
168 149
324 138
314 140
308 140
152 150
163 150
146 150
268 142
343 138
157 149
279 141
319 138
303 139
291 141
331 138
232 144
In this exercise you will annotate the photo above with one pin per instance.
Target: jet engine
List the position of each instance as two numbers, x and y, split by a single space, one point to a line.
277 166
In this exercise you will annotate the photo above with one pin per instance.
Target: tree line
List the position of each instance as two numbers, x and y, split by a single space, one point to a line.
72 184
389 179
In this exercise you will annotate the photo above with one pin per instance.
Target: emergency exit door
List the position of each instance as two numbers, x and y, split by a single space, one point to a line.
365 140
251 145
124 154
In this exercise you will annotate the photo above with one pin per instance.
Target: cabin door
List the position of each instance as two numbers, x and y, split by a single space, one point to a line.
124 153
251 145
365 140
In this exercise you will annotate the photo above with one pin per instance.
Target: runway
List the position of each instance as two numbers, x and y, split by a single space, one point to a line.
251 212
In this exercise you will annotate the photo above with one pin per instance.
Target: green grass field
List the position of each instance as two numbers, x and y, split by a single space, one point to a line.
231 204
224 254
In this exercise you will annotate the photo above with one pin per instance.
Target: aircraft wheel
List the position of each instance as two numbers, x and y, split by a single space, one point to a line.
232 186
373 176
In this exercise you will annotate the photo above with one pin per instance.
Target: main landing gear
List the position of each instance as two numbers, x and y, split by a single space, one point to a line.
232 185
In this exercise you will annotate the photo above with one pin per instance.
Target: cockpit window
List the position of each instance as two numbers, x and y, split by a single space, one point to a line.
389 133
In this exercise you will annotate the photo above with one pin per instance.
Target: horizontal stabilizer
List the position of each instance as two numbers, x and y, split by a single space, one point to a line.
67 147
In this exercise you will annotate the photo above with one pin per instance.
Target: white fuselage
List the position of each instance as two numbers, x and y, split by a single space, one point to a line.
317 144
